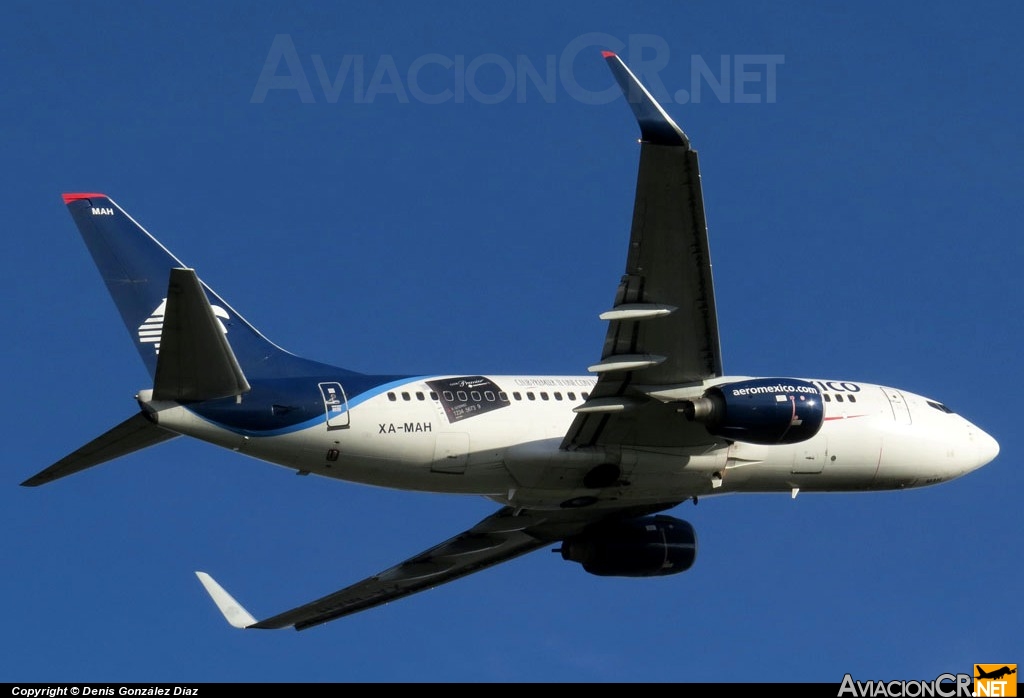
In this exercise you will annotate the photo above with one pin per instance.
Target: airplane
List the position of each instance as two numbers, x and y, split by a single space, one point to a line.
996 673
589 463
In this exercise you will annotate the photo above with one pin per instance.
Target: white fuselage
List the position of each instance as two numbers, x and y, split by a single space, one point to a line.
403 435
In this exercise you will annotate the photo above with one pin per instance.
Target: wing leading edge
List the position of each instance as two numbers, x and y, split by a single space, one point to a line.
663 327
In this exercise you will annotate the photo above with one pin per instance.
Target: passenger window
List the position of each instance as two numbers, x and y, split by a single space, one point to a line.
839 398
572 396
543 396
517 396
392 397
530 396
406 396
558 396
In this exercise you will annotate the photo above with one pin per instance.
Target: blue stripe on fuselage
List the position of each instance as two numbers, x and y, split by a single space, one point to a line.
285 405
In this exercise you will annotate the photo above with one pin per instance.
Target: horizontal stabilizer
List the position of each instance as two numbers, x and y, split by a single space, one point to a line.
195 360
133 434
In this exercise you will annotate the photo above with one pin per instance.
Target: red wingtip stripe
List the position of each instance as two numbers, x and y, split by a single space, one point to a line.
68 198
607 54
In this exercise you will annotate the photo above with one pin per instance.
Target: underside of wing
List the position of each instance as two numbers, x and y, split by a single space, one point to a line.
663 327
471 551
504 535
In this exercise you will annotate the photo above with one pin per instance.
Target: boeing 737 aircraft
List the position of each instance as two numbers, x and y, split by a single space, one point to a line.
586 463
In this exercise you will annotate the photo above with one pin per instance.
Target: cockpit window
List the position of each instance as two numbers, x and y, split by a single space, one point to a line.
939 406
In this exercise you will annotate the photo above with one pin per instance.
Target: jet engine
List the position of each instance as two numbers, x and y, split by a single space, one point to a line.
651 546
760 411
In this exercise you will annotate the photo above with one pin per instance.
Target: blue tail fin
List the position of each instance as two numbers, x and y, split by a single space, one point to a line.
136 269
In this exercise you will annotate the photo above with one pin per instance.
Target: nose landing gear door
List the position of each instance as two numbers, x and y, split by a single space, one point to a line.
335 405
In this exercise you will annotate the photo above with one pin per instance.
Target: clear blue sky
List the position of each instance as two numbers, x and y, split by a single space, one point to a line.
864 211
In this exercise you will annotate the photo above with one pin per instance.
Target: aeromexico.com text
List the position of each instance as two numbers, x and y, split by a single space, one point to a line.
771 389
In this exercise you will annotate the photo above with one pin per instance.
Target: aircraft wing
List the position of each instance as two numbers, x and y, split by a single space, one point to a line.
504 535
663 327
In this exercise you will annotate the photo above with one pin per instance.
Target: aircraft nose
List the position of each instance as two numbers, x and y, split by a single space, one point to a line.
980 449
986 447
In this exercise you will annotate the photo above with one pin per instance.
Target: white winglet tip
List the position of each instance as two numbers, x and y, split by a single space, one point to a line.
233 611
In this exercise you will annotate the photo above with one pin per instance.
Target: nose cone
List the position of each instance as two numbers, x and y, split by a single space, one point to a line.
986 448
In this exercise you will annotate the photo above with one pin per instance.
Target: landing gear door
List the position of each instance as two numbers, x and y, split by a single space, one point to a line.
335 405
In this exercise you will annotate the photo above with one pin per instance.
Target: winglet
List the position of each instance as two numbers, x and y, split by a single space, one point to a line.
656 126
233 611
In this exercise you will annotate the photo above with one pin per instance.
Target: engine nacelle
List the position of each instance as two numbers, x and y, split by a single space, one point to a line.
760 411
651 546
